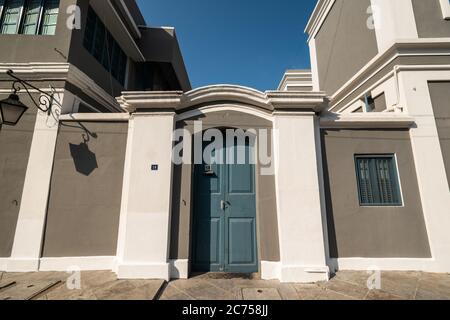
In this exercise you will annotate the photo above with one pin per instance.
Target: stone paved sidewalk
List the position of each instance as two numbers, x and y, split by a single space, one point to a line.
93 286
105 286
344 285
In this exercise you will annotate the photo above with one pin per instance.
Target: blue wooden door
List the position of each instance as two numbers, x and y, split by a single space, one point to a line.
224 228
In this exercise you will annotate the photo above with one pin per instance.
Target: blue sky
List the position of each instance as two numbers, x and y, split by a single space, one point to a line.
244 42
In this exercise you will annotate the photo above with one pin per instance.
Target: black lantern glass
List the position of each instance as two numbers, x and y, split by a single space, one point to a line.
12 109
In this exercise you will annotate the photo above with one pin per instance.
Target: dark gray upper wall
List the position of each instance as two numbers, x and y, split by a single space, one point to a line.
371 232
19 48
15 144
167 51
440 98
429 19
344 44
85 197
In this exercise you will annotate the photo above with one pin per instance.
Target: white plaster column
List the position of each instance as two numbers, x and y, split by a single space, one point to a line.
394 20
430 168
300 208
28 238
144 236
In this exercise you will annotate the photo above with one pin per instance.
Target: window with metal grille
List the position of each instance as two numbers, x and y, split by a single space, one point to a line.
28 16
102 45
378 182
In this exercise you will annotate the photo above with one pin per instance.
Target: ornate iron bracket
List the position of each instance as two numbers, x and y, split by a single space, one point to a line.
46 100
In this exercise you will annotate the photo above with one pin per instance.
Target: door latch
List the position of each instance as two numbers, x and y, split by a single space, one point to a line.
224 205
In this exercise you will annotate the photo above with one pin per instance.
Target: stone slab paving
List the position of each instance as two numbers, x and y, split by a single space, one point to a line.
86 286
344 285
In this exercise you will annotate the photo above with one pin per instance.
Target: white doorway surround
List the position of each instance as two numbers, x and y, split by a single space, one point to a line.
144 238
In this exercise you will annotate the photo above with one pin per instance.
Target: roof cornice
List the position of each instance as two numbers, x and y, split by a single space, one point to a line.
376 120
318 16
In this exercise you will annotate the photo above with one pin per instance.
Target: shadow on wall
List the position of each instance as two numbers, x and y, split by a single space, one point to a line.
332 240
85 160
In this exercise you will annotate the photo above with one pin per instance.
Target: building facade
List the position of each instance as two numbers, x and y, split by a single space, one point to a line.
352 157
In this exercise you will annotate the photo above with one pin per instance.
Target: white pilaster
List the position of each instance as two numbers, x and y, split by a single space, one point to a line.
28 238
300 212
145 223
314 65
431 172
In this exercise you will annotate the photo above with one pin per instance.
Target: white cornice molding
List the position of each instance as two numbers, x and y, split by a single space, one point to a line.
224 94
61 72
297 100
366 120
318 16
158 100
38 69
303 76
402 48
87 85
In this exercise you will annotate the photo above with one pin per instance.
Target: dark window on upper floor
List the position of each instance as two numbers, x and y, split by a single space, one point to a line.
28 16
378 182
101 44
369 102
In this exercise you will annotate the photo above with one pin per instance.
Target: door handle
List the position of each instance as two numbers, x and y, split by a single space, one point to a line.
224 205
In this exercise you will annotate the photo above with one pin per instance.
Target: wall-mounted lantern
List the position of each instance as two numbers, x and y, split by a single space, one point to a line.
12 109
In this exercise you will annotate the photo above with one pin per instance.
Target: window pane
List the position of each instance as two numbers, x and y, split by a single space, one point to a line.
50 17
122 68
90 30
105 49
108 51
11 16
99 40
366 193
31 16
116 60
377 181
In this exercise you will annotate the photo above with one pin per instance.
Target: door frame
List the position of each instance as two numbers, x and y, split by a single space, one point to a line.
192 196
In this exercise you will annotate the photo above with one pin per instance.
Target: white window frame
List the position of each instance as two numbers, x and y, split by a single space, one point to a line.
445 6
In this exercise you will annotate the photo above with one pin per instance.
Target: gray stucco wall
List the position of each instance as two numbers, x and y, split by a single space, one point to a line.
344 44
440 98
182 206
85 196
39 48
15 144
371 232
429 19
